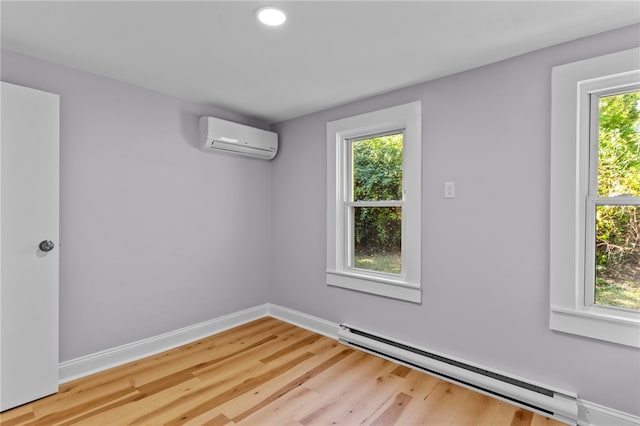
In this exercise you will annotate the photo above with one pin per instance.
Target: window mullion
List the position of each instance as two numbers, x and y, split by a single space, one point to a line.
594 139
586 293
621 200
588 297
382 203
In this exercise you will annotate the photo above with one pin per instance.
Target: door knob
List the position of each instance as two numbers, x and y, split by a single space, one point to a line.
46 246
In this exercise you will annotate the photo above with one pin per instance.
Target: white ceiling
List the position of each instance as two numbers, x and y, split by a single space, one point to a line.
326 54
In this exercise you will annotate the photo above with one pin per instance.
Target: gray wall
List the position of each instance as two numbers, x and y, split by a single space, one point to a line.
485 253
155 235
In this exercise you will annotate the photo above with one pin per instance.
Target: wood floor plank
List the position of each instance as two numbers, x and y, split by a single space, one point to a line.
284 410
174 402
369 404
302 343
17 420
308 408
440 405
70 397
540 420
111 409
266 372
236 407
419 386
522 417
267 345
503 414
322 350
236 391
339 381
293 384
358 397
401 371
217 420
73 412
477 407
391 415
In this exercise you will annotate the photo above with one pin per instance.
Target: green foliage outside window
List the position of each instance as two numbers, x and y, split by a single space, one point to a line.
377 168
618 227
377 176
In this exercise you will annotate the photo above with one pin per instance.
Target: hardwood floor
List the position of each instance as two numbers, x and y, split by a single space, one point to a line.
266 373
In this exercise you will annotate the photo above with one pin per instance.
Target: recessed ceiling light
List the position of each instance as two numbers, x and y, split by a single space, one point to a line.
271 16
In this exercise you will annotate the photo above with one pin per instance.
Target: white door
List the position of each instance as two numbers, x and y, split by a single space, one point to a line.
29 215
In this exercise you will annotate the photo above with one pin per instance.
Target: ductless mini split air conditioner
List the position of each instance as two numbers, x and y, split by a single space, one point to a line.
226 136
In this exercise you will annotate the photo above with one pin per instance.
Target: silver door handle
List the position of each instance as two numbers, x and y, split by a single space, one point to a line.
46 246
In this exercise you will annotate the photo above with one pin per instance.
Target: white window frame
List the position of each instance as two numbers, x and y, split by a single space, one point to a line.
621 84
407 119
571 250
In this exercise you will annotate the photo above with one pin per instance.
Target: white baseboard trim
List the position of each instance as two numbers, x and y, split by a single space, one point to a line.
591 414
309 322
100 361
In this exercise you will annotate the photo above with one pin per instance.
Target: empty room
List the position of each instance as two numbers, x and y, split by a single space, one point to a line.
320 212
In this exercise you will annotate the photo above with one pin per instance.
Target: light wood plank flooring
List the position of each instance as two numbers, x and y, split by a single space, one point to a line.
266 373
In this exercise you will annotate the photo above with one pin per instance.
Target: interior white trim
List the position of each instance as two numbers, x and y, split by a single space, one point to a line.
374 285
109 358
340 273
306 321
570 159
589 413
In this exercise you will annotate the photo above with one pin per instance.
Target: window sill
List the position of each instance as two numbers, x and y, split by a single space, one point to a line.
611 328
394 289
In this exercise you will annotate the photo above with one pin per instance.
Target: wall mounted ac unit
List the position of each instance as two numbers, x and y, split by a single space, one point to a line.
226 136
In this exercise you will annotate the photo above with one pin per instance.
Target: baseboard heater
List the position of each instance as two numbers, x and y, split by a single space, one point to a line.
551 402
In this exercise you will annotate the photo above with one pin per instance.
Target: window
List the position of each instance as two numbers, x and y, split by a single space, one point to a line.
374 205
595 198
373 202
612 276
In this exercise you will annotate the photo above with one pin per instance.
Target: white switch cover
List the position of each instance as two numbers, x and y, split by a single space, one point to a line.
449 190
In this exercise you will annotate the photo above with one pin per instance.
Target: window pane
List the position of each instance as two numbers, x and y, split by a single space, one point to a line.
377 239
618 256
377 168
619 145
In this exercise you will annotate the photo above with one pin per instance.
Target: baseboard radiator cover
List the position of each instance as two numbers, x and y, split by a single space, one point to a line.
546 400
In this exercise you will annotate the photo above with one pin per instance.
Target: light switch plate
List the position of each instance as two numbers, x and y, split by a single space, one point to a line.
449 190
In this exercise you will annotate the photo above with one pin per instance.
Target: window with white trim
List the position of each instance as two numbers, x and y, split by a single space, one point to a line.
373 202
595 198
